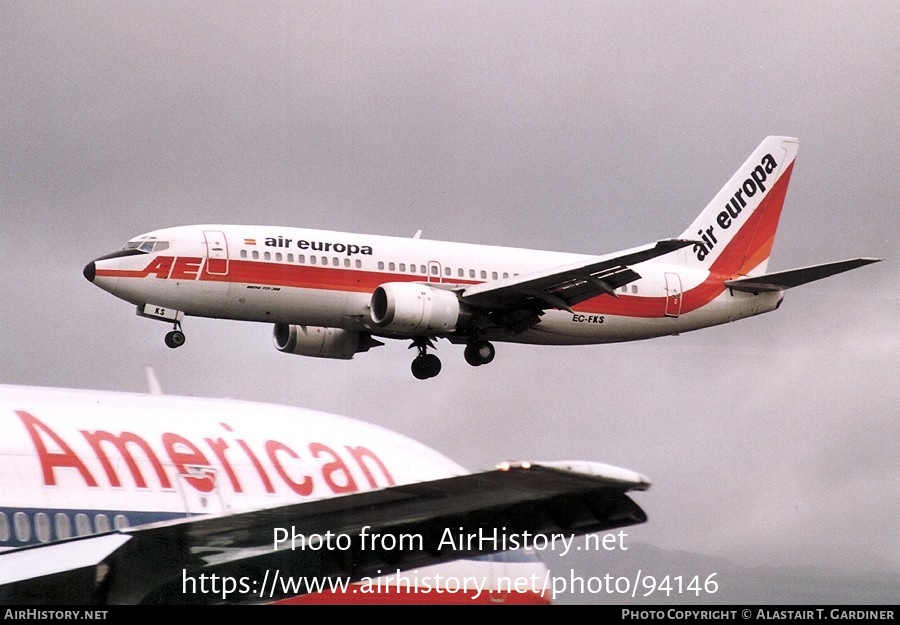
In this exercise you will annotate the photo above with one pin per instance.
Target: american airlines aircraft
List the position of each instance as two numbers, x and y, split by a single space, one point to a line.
334 294
119 498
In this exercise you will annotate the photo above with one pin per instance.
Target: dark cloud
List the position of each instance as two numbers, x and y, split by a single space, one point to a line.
587 127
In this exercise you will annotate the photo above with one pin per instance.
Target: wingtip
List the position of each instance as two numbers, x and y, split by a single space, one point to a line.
676 244
631 479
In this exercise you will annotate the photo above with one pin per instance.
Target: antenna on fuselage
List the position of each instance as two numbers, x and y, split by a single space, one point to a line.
418 233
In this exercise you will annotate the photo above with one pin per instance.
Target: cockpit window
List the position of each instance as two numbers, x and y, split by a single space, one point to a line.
146 244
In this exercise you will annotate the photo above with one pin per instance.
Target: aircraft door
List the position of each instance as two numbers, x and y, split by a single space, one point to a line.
434 271
673 295
216 252
199 488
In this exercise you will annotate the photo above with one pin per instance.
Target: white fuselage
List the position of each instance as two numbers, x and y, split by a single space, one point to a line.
324 278
76 463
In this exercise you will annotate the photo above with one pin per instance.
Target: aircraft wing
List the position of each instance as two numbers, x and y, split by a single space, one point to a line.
782 280
563 287
149 564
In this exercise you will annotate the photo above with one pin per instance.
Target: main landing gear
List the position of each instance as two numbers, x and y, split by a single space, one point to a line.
479 353
427 365
175 338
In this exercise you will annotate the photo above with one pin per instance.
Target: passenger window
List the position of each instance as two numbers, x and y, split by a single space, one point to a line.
380 265
278 256
634 288
390 266
22 527
460 272
243 253
358 264
42 527
483 274
312 260
63 525
101 523
267 255
471 273
290 258
448 272
336 261
301 258
403 267
120 522
255 255
346 262
82 524
4 528
493 275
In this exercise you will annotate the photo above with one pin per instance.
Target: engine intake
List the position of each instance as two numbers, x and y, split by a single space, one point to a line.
414 308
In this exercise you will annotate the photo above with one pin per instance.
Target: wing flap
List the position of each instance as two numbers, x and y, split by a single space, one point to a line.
781 280
156 563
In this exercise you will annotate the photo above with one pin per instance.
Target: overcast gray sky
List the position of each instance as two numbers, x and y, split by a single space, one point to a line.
577 126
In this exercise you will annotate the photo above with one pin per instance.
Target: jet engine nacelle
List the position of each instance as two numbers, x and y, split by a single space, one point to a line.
414 308
317 341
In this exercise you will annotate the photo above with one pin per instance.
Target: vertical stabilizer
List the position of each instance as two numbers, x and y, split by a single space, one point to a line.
735 231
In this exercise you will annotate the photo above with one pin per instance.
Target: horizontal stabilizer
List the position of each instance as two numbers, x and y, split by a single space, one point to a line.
781 280
150 564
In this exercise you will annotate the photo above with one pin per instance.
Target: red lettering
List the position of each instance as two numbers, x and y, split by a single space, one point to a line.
219 446
360 454
95 439
335 466
305 485
159 265
192 456
267 483
185 267
50 460
54 453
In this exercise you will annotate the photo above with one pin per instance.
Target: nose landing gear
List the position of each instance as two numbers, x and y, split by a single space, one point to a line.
175 338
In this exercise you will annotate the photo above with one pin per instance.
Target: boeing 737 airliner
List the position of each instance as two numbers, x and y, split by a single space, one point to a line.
112 498
330 294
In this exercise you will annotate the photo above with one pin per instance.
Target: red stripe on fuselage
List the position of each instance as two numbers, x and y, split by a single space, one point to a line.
750 246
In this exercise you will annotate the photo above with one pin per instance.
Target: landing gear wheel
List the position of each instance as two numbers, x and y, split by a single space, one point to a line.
479 353
174 339
426 366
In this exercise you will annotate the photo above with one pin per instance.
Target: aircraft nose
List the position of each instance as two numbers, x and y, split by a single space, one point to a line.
90 271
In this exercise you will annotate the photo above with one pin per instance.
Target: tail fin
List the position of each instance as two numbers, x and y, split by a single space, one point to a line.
735 231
